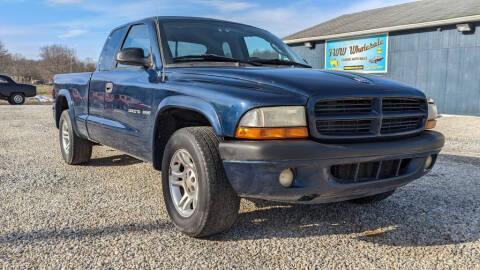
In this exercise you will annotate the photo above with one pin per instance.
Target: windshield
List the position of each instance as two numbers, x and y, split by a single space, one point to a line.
245 43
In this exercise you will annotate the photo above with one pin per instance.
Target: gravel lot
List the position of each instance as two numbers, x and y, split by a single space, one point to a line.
110 213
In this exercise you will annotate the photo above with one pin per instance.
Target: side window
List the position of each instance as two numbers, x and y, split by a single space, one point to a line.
226 50
2 80
107 58
260 48
181 48
138 37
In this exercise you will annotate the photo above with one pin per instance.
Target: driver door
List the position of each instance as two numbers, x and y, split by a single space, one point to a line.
129 98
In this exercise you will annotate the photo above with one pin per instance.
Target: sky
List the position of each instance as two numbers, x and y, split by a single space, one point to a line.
27 25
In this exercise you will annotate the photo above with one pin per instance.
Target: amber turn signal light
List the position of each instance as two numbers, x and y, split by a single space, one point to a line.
254 133
431 124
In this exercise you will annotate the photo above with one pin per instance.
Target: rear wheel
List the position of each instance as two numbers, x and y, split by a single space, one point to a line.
16 99
373 198
198 196
75 150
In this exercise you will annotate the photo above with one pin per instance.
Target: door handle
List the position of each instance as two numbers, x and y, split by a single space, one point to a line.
109 87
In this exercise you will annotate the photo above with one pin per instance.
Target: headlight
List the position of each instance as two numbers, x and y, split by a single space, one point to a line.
285 116
432 114
273 123
432 109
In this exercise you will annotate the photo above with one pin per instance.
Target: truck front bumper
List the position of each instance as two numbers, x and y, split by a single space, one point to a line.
326 172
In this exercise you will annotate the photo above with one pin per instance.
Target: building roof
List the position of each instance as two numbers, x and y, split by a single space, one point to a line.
425 13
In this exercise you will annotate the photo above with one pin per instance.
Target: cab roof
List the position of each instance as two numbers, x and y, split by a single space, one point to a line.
184 18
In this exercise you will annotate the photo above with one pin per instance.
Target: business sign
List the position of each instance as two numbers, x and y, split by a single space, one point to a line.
362 54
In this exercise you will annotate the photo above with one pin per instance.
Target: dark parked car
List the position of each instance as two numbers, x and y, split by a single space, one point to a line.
227 110
15 92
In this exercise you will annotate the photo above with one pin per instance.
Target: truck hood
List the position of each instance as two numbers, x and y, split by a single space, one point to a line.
307 82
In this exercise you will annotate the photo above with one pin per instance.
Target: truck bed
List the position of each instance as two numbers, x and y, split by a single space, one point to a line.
77 84
73 80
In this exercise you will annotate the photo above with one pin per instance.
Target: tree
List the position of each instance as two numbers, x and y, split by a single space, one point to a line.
56 59
90 65
5 60
3 50
25 70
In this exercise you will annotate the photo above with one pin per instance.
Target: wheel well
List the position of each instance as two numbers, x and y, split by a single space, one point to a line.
61 104
170 121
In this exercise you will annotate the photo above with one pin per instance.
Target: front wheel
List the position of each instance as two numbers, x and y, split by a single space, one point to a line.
75 150
17 99
198 196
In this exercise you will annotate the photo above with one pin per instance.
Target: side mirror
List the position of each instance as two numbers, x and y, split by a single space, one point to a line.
133 57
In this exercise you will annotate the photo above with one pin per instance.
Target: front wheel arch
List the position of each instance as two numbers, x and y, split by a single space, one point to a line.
202 113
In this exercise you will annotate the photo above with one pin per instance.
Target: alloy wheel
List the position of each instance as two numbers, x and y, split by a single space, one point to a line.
65 137
183 182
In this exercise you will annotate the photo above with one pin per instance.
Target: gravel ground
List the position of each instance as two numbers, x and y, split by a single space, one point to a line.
110 213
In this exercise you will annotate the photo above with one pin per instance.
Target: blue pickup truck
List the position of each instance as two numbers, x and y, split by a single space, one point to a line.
227 110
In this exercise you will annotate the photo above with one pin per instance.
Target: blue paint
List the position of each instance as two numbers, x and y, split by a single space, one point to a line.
192 103
120 106
125 117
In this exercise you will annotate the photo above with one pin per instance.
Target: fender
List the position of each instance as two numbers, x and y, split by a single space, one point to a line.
190 103
194 104
65 93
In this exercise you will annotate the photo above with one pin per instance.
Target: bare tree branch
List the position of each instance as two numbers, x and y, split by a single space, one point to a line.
54 59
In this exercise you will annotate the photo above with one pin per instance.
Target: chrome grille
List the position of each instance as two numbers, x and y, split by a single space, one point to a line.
367 117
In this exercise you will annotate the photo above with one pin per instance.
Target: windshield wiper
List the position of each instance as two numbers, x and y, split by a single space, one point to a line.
213 58
281 62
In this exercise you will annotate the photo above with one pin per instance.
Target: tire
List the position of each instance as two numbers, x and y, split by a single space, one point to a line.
215 208
78 150
16 99
373 198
